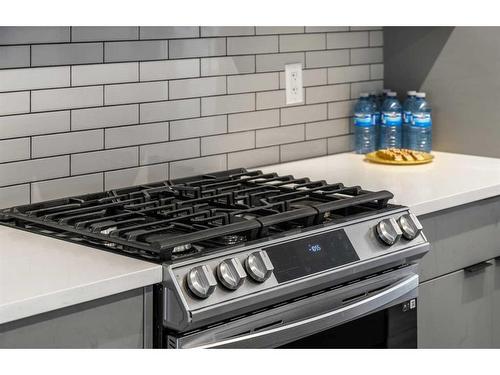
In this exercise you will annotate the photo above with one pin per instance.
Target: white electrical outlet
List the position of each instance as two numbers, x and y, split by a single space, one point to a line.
293 80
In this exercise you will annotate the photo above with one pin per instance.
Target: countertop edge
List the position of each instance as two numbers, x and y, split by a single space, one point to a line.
82 293
441 204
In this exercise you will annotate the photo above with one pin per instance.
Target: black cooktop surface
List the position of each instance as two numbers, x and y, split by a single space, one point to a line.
185 217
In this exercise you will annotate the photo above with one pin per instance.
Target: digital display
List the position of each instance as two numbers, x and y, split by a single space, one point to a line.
309 255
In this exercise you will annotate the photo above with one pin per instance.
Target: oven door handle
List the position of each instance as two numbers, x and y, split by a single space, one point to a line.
283 334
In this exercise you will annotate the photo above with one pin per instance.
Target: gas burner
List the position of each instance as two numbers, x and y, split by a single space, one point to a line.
165 220
233 239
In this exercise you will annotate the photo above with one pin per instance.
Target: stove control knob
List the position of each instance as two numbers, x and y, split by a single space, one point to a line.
388 231
231 273
410 226
259 266
201 281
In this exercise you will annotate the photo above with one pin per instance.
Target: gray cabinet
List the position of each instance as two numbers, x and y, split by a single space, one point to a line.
460 309
456 310
496 304
120 321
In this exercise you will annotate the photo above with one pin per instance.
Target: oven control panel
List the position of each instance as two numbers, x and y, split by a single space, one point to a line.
233 274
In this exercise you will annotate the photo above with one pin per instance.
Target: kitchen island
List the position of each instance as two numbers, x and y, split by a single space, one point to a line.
59 294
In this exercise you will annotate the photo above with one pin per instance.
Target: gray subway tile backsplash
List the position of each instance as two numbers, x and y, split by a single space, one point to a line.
348 74
98 74
168 32
66 143
280 135
302 42
14 56
328 128
253 158
251 45
308 113
330 93
65 187
217 105
197 87
217 144
347 40
227 65
99 33
182 48
367 55
127 93
34 78
77 97
198 127
168 151
252 82
341 143
66 54
34 124
207 164
377 71
34 34
279 29
104 117
14 102
326 29
20 172
341 109
136 134
303 150
136 50
253 120
93 108
321 59
173 69
277 62
14 195
207 31
99 161
169 110
135 176
14 149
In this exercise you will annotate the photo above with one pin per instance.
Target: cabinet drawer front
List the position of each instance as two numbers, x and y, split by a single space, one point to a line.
461 236
455 310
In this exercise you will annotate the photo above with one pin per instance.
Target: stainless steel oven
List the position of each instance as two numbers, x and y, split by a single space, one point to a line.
376 312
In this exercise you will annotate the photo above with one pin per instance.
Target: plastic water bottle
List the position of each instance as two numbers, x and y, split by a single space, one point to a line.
365 134
375 109
410 98
390 127
420 129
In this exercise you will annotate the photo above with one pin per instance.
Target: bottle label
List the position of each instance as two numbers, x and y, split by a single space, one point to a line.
376 118
391 118
407 117
362 119
421 119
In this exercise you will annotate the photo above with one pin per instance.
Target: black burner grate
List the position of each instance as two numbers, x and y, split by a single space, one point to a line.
165 220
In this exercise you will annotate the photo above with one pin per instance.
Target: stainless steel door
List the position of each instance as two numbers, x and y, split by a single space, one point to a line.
283 325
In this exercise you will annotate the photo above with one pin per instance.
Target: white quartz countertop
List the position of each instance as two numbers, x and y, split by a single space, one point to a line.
450 180
40 274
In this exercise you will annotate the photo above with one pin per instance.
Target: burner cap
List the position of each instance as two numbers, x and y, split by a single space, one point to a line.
233 239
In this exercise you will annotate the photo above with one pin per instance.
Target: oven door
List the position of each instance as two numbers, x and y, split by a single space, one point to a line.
378 312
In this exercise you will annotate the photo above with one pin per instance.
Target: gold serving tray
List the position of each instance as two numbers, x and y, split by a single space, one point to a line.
372 156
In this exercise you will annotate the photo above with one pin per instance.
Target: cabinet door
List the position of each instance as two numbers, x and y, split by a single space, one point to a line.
496 305
455 310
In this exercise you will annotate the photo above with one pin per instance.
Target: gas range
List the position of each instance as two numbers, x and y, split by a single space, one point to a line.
250 259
